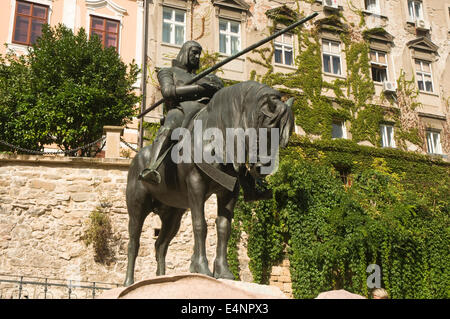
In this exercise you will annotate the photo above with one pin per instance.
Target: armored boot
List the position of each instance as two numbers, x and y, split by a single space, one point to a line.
162 141
254 189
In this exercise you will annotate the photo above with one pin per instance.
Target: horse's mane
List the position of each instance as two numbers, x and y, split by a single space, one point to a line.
243 100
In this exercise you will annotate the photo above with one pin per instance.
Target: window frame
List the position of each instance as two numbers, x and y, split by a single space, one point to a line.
91 30
432 148
385 135
423 73
376 9
283 46
414 17
340 123
30 20
228 34
331 55
173 23
379 65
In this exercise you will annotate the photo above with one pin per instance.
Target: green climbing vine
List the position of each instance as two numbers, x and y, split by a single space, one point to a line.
395 213
99 234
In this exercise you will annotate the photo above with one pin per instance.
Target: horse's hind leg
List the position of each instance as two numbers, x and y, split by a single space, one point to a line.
170 224
137 214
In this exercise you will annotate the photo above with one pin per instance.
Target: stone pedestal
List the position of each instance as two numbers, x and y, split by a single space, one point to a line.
193 286
113 134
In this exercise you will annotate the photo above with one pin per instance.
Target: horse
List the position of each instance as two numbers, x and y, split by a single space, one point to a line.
186 186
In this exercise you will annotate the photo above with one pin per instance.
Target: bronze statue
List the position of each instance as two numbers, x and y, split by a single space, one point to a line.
156 183
182 102
188 185
174 91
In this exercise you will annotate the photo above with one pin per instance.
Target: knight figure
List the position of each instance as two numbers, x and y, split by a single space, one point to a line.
182 100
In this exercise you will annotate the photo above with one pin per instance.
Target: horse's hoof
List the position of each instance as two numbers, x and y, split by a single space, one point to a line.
224 275
221 272
150 176
128 282
200 269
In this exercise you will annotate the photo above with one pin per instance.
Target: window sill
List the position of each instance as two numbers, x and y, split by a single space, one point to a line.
334 75
429 93
443 156
225 55
389 147
17 46
370 13
286 66
170 45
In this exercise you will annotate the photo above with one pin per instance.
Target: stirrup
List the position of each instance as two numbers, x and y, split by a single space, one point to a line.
150 175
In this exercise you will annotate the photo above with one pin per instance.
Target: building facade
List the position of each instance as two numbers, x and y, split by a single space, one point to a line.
407 44
119 23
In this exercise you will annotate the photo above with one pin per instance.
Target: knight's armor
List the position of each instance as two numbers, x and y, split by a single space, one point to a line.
172 81
180 100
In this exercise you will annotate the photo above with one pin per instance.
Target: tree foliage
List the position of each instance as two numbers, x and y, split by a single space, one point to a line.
64 91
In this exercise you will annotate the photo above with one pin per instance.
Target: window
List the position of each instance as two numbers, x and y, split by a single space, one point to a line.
331 57
346 177
28 22
424 76
379 65
372 5
284 49
415 10
229 37
339 130
174 25
107 30
434 142
387 135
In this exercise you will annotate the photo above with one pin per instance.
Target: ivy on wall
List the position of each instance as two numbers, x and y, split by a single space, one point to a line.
395 213
354 94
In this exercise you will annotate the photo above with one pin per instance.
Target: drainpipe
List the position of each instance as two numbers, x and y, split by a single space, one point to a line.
144 74
192 20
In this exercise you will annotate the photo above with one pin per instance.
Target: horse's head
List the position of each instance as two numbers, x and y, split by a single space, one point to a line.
276 118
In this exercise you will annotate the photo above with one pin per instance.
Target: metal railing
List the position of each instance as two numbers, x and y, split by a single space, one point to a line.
72 152
27 287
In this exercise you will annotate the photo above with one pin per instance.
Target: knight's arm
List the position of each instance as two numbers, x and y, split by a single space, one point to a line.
181 92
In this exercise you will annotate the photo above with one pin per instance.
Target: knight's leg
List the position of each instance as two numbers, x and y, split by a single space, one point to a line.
196 195
160 145
226 203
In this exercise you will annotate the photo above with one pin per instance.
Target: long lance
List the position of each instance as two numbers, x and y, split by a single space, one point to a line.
225 61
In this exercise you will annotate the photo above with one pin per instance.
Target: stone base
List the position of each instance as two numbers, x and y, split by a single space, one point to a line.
339 294
193 286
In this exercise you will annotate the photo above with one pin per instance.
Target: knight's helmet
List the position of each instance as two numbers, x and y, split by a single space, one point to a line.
182 59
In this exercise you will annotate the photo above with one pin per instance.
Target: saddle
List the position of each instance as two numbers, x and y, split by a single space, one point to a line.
191 111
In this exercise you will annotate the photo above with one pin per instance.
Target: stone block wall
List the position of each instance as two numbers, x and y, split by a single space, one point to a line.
281 277
45 203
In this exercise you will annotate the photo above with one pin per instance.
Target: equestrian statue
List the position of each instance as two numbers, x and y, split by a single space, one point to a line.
156 183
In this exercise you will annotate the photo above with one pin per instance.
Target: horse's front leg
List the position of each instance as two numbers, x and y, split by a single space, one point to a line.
196 196
225 208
